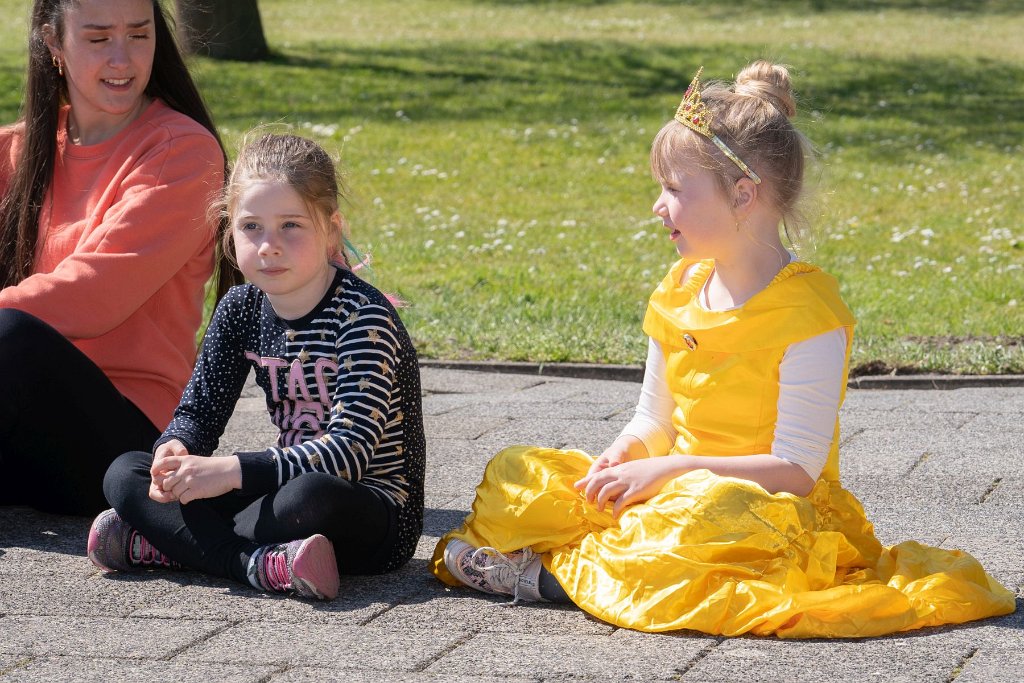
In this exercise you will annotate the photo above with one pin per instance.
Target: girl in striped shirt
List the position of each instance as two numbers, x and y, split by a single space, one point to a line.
342 489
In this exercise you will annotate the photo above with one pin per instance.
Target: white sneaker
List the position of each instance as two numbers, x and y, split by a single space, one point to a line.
516 573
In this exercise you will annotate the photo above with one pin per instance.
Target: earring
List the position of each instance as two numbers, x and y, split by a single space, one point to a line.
58 64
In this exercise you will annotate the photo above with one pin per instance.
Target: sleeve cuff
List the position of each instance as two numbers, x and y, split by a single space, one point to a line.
259 472
189 446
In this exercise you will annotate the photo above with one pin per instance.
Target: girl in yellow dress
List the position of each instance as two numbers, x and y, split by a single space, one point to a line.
719 507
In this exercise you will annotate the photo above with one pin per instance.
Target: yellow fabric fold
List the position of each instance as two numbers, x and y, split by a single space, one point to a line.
721 555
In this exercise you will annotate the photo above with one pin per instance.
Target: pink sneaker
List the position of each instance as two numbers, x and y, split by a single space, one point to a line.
306 567
114 546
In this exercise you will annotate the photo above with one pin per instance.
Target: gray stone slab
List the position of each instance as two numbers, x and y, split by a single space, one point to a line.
585 435
601 391
10 663
483 613
87 592
439 404
85 670
360 599
439 521
984 453
435 380
447 481
917 489
570 409
349 676
101 637
26 528
556 657
470 453
898 420
1009 491
931 655
1000 664
972 399
883 452
461 426
989 424
27 560
340 647
870 399
990 533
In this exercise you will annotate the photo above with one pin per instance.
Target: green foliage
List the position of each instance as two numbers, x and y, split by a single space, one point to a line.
497 159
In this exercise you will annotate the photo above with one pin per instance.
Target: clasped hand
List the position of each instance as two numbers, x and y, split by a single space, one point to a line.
625 482
177 475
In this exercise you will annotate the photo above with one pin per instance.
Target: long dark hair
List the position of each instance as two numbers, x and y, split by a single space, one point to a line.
45 92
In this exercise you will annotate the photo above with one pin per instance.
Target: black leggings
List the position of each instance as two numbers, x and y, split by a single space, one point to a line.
219 535
62 422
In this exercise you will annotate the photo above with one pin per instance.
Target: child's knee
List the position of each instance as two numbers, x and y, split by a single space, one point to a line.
126 474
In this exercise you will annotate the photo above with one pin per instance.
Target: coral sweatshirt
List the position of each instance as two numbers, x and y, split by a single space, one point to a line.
125 249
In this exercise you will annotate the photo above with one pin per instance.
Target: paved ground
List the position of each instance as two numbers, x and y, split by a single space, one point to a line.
943 467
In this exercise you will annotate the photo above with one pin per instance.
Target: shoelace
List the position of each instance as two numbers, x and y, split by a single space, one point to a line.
275 569
502 565
143 552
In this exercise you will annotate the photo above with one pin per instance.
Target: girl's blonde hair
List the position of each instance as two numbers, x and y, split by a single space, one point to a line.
752 116
305 167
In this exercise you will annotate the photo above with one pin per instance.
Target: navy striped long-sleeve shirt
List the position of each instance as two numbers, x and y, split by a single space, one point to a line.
341 384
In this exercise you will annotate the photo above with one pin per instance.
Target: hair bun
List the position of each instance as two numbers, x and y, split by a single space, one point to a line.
770 82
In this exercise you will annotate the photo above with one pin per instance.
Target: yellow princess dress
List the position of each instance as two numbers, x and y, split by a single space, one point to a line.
719 554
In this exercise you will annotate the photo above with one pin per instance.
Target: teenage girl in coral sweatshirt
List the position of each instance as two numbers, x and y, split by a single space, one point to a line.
105 247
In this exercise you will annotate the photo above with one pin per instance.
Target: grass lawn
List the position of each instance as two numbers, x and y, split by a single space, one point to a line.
496 155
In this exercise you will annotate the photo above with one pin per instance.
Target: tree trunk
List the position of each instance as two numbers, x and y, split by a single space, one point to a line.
222 29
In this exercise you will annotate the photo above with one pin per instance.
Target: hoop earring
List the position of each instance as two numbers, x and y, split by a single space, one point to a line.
58 64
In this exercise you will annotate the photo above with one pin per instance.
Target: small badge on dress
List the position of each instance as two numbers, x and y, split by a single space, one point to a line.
690 342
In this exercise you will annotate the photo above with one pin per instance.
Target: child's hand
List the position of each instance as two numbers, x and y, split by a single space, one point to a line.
191 477
628 483
159 470
623 449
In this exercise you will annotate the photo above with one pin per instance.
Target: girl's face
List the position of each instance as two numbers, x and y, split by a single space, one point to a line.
698 216
107 56
280 248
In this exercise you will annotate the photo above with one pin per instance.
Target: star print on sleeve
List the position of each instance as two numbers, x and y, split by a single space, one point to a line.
218 376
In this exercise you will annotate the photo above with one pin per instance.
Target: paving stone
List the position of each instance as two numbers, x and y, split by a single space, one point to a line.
360 599
84 670
467 382
101 636
85 592
972 399
873 399
1008 491
459 426
994 665
481 613
898 420
572 409
340 647
349 676
928 656
570 656
577 434
990 424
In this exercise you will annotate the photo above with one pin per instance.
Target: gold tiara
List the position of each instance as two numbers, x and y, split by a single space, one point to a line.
696 116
